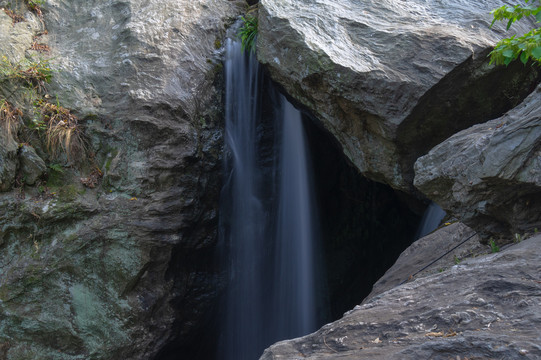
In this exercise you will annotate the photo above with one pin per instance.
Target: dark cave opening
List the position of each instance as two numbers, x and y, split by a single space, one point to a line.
365 225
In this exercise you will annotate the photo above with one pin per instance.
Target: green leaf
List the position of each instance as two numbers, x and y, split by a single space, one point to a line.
524 57
536 53
508 53
538 16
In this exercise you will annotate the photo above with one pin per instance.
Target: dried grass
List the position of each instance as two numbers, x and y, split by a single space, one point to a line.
14 16
63 132
10 117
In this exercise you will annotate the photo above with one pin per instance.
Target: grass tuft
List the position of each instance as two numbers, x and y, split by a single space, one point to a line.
10 117
63 131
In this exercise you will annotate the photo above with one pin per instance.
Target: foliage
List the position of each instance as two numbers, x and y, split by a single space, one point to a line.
35 6
56 167
33 72
495 248
248 33
524 47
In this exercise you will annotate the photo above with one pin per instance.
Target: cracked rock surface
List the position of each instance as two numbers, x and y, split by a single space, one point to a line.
486 307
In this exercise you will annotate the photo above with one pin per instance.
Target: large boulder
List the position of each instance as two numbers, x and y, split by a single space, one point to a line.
487 307
390 79
490 174
122 267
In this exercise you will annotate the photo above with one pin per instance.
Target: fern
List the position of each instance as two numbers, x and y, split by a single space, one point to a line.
248 33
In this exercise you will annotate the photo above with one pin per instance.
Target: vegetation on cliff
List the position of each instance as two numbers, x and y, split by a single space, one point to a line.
524 47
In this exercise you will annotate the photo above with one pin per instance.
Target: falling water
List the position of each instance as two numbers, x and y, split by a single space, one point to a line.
267 225
294 294
431 220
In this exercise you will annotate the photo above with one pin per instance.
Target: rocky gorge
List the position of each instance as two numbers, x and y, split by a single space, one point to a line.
112 255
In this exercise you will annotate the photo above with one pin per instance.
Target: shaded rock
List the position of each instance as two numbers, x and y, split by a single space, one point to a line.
119 271
32 166
389 80
489 175
8 160
488 307
422 258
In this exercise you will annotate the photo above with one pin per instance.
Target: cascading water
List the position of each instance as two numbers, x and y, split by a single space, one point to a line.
431 220
294 295
267 225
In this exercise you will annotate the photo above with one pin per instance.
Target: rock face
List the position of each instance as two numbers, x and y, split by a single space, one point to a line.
32 166
487 307
428 255
490 174
119 270
388 79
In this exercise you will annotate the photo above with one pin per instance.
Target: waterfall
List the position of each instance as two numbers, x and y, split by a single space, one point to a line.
294 292
431 220
267 220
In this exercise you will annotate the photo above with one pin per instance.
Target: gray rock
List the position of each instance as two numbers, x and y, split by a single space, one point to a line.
8 160
32 166
118 271
431 254
390 80
489 175
16 38
488 307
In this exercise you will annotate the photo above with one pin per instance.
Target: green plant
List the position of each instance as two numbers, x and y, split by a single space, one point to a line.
524 47
32 72
518 238
456 260
493 246
56 167
248 33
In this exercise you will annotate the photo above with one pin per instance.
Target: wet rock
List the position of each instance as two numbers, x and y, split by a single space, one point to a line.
390 80
487 307
32 166
489 175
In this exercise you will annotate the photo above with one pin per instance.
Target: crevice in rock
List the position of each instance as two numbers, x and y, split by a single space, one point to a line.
473 93
365 225
196 285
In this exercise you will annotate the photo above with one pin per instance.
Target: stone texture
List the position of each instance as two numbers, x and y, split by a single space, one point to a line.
389 79
32 166
489 175
8 159
118 271
422 258
15 39
487 307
